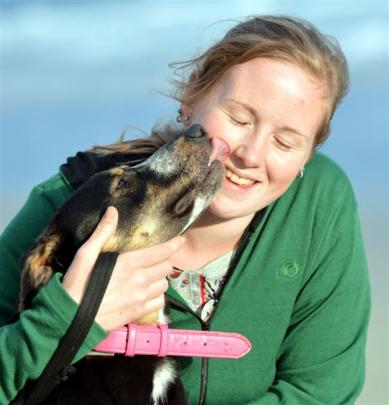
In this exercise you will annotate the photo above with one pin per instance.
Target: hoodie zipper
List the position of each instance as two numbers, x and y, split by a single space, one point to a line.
205 326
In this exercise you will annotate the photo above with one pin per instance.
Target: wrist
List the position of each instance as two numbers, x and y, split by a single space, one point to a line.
72 288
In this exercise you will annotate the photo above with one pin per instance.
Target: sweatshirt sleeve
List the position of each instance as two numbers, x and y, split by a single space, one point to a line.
26 345
18 237
322 356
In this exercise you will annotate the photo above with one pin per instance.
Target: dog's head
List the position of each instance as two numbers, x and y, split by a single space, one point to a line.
157 199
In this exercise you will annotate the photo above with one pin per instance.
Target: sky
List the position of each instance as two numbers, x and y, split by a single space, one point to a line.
77 73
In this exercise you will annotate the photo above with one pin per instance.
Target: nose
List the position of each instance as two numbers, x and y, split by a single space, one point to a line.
196 131
252 151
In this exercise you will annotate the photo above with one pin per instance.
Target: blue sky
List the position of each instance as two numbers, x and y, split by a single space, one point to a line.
75 73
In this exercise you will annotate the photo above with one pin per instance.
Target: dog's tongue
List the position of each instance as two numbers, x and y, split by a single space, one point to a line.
220 150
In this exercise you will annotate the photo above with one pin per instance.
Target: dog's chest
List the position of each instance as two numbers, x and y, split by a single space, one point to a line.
164 375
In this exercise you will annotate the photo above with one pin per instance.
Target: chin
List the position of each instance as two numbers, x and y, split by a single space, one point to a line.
226 210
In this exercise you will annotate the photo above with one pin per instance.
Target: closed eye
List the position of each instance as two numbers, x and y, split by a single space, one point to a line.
234 119
283 146
238 122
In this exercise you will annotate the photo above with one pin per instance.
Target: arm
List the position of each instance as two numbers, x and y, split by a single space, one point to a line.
19 236
136 289
26 345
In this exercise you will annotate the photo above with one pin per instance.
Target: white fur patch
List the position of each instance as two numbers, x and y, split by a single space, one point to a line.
162 317
164 375
199 204
161 164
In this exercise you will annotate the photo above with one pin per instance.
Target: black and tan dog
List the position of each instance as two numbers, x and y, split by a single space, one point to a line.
156 200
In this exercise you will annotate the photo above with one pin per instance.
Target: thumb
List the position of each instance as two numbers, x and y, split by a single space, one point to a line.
75 278
103 231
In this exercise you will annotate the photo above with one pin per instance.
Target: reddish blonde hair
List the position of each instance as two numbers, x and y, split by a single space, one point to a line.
285 38
291 39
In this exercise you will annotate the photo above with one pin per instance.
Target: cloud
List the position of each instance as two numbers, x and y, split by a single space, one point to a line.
109 51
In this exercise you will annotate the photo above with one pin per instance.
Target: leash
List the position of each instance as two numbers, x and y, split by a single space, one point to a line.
58 367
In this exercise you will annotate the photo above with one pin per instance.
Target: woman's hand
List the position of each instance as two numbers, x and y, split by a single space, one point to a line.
138 280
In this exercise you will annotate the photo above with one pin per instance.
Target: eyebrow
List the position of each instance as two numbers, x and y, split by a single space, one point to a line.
254 113
294 131
244 105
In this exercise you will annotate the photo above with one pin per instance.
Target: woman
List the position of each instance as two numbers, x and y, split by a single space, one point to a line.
278 255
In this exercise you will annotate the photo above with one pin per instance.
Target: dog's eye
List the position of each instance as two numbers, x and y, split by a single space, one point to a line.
183 205
121 183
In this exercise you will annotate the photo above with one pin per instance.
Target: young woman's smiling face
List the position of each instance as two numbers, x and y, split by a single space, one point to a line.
268 111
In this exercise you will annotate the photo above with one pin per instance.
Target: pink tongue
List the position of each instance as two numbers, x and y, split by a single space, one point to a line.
220 150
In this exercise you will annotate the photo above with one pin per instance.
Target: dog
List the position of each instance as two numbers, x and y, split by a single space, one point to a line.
156 200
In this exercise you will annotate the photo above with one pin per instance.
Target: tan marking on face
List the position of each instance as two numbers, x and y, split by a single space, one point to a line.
143 235
146 229
116 171
113 244
147 233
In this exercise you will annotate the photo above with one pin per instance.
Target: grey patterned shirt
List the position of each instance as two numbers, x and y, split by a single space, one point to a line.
198 287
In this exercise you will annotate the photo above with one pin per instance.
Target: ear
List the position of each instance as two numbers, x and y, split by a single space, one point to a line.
37 268
186 109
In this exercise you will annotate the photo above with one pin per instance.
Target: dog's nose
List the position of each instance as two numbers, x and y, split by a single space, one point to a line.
196 131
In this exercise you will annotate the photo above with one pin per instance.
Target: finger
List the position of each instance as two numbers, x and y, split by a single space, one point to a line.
153 305
152 255
87 254
157 288
157 272
103 231
143 276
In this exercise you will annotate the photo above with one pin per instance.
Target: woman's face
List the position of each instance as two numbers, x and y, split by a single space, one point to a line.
268 111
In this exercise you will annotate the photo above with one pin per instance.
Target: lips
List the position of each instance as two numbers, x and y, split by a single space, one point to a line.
236 179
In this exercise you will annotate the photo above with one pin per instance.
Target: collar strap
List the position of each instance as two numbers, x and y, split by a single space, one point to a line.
161 341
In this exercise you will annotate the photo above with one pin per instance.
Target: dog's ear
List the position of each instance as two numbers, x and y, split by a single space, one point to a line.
37 268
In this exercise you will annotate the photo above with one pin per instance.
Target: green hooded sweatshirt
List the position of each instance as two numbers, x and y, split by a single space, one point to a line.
298 289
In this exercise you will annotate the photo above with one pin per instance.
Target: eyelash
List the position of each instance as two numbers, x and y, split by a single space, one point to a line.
240 123
283 146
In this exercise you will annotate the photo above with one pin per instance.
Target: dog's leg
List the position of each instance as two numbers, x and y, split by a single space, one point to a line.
38 268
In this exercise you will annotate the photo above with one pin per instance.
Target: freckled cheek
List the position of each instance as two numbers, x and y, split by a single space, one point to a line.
282 170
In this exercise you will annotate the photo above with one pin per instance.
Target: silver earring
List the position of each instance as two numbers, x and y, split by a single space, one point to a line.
179 116
302 172
185 119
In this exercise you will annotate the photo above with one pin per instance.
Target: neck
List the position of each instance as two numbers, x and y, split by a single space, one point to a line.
209 238
210 231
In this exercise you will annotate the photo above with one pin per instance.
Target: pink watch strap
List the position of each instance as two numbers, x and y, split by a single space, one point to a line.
161 341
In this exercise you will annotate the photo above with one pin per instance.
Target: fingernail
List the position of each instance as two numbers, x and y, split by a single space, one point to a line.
110 213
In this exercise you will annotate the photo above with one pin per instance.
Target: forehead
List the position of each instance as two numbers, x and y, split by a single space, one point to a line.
277 89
